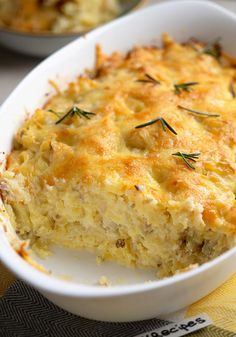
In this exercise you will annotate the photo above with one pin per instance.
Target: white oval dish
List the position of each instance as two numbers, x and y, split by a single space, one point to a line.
130 298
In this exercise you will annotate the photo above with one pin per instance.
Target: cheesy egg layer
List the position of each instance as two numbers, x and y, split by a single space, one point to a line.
135 161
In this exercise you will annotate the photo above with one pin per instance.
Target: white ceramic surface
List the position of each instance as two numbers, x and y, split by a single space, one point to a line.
44 44
129 298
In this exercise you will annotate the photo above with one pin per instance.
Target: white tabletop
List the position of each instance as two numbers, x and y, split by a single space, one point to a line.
13 67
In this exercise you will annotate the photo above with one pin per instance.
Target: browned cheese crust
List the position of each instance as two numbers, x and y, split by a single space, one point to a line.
99 183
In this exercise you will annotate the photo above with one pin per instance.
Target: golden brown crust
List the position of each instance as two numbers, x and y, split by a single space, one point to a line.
109 153
110 140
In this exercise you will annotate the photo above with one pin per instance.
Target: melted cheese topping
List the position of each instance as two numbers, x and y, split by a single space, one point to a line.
101 184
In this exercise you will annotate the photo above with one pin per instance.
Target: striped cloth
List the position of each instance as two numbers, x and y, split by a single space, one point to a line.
24 312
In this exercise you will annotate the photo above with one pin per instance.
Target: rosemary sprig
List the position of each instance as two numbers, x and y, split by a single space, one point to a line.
213 49
164 125
199 113
232 90
149 79
188 157
74 111
184 86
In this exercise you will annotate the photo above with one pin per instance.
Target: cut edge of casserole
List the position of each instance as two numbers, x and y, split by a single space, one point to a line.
135 161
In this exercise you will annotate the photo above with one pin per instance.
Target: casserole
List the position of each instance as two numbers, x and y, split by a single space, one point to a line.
84 297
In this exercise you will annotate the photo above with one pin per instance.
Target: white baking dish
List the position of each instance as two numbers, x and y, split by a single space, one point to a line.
130 297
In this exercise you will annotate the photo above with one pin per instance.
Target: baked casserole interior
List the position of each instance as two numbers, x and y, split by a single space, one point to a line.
134 160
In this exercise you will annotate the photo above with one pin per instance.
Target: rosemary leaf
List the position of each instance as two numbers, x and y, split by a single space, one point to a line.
199 113
184 86
149 79
164 125
232 90
188 157
54 112
213 49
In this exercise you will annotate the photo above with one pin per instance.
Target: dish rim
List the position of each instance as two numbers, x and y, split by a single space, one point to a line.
53 285
50 35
